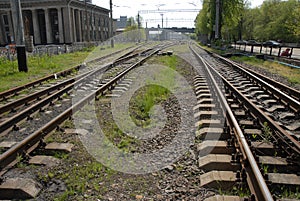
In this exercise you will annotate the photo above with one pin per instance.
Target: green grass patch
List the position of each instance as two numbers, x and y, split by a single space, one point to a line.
41 66
291 74
144 100
170 61
38 67
152 94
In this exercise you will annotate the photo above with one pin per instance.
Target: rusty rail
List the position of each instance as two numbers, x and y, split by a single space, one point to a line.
264 192
24 146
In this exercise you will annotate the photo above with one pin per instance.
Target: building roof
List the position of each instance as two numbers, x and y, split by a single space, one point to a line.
5 4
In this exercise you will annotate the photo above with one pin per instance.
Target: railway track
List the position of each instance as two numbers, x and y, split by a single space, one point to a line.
42 83
23 107
243 149
44 116
264 147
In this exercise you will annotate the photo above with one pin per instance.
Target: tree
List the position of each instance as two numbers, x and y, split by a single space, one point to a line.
131 24
276 20
273 20
230 15
293 23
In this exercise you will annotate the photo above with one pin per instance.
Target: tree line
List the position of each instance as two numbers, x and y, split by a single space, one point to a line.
273 20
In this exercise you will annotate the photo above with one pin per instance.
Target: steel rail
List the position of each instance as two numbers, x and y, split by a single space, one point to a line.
264 190
289 90
24 146
5 94
25 100
35 107
68 85
280 132
295 104
13 105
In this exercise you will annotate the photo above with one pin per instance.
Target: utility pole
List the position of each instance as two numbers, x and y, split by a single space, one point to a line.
162 20
217 31
111 25
19 34
139 26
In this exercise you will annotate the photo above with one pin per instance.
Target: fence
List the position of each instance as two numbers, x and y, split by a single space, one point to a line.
269 51
10 53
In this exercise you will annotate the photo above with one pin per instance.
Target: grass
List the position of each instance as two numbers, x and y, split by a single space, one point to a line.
291 74
144 101
44 65
152 94
267 133
38 67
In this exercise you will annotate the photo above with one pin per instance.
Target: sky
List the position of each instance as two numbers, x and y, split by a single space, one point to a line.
153 14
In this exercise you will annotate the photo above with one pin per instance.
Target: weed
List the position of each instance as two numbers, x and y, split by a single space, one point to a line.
241 191
20 163
40 66
267 133
265 168
60 155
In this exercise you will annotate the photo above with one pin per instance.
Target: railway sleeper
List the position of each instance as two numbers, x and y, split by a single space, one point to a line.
208 122
206 114
248 89
264 148
201 87
224 180
212 133
221 162
5 145
277 164
294 127
204 95
291 181
48 161
204 107
205 101
202 91
214 147
224 198
19 188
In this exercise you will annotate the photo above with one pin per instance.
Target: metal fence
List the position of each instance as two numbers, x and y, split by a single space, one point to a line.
268 51
9 51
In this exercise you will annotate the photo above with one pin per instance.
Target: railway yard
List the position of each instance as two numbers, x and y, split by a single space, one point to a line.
152 121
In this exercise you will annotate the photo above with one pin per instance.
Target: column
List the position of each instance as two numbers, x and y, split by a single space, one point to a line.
11 27
36 29
98 28
60 26
82 14
67 25
2 31
73 25
78 19
48 27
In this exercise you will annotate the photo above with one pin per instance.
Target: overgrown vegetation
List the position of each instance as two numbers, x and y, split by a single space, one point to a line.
151 95
291 74
40 66
37 67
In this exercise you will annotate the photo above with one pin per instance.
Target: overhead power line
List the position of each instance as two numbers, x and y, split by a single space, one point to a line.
168 11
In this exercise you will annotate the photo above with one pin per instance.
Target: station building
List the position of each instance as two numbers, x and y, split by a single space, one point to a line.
56 22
